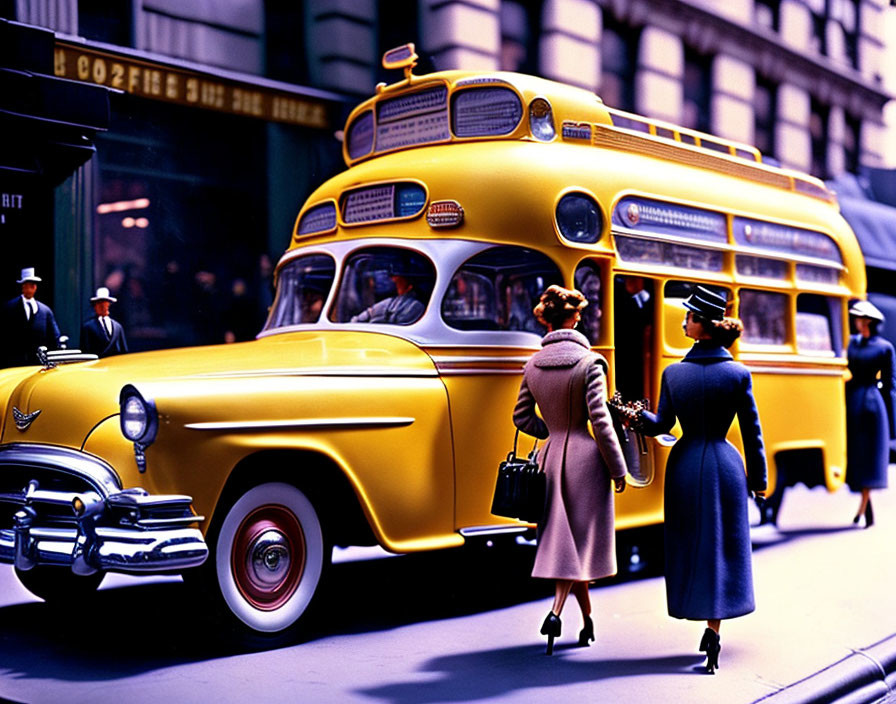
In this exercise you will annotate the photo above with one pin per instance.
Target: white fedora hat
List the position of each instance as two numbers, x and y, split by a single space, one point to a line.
28 275
866 309
102 294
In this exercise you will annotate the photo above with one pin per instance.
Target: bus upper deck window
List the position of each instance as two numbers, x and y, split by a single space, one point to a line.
497 290
359 137
817 274
579 218
485 112
761 267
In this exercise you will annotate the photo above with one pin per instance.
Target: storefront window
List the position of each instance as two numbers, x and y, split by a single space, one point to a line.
181 225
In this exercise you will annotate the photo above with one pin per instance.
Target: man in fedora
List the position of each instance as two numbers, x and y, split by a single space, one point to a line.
101 335
27 324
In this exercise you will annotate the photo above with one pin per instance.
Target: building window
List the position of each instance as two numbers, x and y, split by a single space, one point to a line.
767 13
619 63
765 112
696 112
111 22
284 43
840 16
852 143
818 131
520 32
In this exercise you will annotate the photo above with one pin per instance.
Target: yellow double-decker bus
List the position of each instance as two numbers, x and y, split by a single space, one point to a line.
496 185
376 404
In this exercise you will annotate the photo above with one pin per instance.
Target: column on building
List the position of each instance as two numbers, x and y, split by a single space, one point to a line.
342 44
225 34
734 83
569 47
462 35
658 82
792 134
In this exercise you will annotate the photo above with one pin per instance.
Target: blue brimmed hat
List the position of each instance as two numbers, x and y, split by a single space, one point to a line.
706 304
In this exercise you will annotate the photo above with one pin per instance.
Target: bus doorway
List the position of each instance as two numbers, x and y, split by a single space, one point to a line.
633 332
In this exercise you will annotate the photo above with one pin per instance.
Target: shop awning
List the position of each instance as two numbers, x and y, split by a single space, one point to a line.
875 227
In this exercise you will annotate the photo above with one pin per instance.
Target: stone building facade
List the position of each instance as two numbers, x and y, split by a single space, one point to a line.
802 79
225 114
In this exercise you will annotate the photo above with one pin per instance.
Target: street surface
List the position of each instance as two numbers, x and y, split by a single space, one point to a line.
463 627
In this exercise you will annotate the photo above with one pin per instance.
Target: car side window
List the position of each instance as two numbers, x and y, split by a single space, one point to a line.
384 285
497 290
302 287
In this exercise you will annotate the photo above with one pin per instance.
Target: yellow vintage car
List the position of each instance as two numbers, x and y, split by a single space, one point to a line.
375 406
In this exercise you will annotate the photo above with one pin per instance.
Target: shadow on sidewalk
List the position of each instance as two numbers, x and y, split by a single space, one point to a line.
492 673
770 536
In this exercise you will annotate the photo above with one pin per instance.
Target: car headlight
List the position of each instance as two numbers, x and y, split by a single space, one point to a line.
139 419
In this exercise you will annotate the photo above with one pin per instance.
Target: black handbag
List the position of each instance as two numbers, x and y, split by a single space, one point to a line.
520 487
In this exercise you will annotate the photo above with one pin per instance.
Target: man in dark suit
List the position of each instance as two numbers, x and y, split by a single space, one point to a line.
27 324
101 335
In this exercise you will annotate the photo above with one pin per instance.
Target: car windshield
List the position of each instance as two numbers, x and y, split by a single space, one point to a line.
302 287
383 285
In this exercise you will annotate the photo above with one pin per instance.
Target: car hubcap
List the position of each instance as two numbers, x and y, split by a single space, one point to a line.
268 557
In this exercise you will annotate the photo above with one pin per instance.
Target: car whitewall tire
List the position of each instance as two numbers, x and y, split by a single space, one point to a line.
270 556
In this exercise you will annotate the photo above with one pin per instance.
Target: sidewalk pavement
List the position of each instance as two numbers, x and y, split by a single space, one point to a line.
429 628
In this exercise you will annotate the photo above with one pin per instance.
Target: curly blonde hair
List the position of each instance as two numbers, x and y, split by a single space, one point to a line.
558 304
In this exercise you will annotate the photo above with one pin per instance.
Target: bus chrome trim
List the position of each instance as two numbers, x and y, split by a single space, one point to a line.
321 371
760 368
304 424
477 531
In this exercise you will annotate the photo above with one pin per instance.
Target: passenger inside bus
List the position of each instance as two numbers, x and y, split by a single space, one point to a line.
384 285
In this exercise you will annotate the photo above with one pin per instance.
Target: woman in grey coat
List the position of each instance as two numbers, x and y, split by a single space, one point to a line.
576 538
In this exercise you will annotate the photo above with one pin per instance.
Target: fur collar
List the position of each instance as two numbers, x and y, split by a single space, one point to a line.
562 348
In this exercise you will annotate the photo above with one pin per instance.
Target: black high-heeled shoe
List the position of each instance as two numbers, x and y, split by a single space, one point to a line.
551 629
712 645
586 635
869 515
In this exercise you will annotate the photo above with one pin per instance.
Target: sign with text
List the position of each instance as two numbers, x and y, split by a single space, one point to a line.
184 87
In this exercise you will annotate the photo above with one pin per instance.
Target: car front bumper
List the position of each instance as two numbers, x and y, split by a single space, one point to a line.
70 510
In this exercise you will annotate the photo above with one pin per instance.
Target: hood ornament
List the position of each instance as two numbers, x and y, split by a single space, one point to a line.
24 420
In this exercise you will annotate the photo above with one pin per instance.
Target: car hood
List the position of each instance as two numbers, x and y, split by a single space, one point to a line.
72 399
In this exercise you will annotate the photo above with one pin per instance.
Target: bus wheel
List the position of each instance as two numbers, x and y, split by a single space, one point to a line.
59 585
269 558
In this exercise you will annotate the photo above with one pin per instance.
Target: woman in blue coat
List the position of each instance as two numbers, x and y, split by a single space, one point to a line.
707 533
870 423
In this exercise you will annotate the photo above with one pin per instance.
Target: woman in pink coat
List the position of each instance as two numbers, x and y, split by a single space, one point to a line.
567 381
